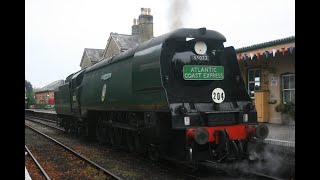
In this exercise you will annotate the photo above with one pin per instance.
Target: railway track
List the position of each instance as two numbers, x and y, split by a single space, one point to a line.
74 159
187 174
38 120
42 172
43 119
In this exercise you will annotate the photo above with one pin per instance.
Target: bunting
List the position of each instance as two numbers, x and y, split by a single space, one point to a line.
274 52
283 49
266 53
290 49
245 56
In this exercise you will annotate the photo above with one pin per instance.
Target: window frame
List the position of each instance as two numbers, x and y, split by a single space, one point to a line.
254 82
288 89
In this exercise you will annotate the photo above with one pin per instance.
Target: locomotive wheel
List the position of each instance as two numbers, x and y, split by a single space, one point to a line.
240 148
233 150
138 144
99 130
111 136
117 137
105 135
153 152
98 133
66 125
130 140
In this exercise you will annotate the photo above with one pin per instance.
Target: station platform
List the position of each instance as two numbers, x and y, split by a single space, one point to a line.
281 132
42 110
26 174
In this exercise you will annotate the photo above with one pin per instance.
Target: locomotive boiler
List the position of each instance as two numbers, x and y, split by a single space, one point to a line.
179 96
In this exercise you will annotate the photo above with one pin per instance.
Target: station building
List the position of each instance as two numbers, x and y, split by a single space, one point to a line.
268 70
141 30
45 95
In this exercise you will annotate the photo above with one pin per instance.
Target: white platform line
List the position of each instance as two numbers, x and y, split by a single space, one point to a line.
26 174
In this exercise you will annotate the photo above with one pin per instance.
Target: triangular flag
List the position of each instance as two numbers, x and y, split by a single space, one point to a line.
251 55
267 54
258 55
283 49
290 48
274 52
244 56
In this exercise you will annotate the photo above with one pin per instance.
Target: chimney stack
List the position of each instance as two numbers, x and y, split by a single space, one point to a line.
145 25
135 27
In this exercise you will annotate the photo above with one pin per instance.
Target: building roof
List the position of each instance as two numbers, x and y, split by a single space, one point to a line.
124 41
51 87
266 44
94 55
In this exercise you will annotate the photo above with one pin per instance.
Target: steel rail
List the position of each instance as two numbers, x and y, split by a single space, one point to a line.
29 119
38 164
43 119
77 154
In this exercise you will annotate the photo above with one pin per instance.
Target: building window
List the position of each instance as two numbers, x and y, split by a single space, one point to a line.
253 81
288 88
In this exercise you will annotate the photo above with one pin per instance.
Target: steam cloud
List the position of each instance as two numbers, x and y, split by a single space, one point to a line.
268 160
177 11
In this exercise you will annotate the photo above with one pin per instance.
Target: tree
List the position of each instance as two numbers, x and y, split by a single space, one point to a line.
30 93
28 86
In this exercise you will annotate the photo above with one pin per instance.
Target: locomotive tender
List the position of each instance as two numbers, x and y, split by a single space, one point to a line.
179 96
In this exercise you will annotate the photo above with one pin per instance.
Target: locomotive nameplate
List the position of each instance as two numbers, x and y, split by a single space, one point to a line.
198 72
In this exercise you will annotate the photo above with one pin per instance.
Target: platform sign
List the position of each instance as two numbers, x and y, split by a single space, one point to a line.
198 72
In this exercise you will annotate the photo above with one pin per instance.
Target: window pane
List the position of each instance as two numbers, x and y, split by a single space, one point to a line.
257 85
286 96
251 86
292 82
257 73
251 75
293 94
285 82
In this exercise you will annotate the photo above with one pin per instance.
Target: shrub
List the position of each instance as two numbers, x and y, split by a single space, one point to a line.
288 108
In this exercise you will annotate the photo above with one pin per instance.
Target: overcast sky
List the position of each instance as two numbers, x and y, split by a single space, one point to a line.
57 31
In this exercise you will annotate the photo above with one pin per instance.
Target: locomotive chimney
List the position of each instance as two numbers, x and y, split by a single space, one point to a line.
145 24
135 27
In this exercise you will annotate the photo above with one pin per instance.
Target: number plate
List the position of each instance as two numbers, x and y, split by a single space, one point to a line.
196 72
199 58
